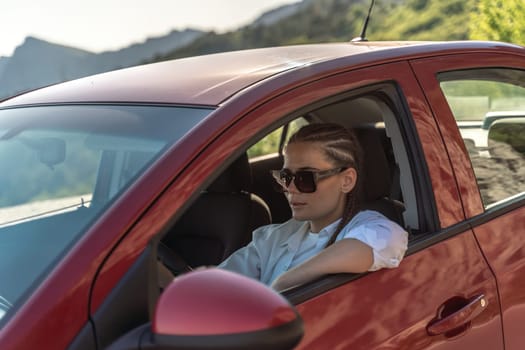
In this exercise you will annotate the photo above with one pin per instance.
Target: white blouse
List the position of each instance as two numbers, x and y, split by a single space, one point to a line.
276 248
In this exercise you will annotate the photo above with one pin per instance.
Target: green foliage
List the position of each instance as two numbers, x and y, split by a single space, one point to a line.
512 134
342 20
323 21
268 145
425 20
490 89
499 20
472 99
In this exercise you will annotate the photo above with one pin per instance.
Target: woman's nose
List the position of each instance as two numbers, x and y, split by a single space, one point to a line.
291 187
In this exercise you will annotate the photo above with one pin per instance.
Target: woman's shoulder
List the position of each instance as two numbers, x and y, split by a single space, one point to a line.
373 225
371 217
388 240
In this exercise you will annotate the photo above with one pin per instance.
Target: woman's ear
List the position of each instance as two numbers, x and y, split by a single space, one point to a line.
349 180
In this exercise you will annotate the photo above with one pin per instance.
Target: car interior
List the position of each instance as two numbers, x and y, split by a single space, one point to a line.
245 196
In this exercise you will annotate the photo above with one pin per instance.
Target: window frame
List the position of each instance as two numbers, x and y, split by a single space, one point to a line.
426 71
501 76
390 96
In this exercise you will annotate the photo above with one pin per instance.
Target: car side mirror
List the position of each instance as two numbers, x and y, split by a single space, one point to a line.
217 309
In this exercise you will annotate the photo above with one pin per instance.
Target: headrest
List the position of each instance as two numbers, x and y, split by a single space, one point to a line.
236 178
377 175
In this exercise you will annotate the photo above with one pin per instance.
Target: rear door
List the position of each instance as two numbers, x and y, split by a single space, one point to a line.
482 99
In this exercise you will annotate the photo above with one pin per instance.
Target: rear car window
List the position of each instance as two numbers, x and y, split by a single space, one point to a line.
489 108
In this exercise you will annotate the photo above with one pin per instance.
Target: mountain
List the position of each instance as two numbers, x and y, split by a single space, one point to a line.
38 63
273 16
3 63
139 53
341 20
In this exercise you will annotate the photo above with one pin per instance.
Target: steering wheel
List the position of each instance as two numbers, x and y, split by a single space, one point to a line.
172 260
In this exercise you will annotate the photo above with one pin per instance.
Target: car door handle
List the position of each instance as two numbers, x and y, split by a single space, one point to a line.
459 318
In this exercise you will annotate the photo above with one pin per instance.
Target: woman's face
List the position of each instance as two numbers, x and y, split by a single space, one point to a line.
326 204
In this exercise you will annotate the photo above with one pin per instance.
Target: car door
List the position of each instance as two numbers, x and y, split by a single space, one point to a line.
443 296
444 275
489 158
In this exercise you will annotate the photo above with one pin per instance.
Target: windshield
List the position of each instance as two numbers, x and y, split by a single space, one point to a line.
61 166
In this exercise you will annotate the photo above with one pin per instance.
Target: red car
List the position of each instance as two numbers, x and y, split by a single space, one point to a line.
110 179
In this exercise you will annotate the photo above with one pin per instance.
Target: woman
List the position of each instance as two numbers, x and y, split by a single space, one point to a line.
327 233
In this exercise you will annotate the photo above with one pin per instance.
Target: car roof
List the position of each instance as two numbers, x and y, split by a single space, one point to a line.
211 79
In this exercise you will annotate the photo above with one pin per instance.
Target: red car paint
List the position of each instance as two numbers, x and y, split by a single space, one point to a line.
271 310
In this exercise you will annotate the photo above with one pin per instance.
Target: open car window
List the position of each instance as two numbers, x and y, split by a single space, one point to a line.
273 142
394 183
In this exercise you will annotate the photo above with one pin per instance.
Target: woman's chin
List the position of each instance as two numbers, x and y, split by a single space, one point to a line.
299 216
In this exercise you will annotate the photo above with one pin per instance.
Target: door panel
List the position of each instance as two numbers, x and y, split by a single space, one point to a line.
499 229
502 241
390 309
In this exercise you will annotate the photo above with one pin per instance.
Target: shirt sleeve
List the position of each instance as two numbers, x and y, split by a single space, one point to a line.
387 239
245 261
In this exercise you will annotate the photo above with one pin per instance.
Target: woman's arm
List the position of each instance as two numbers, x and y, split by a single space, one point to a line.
346 255
245 261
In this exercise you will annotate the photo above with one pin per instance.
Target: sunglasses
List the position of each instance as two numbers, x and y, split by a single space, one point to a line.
304 180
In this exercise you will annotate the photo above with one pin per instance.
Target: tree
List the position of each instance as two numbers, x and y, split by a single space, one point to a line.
499 20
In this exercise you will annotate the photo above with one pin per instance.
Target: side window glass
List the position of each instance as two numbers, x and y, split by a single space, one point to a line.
271 142
489 107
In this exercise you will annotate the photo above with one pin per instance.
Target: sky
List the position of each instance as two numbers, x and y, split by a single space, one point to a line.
101 25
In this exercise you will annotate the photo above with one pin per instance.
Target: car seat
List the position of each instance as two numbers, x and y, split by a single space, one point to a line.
221 220
381 188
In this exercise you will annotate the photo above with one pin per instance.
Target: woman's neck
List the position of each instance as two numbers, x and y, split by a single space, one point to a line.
317 226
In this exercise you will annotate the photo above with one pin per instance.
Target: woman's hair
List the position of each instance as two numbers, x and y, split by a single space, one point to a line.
341 146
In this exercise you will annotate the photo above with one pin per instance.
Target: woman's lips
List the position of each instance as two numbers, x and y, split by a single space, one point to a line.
296 205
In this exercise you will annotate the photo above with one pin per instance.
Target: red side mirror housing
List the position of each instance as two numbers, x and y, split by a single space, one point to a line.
218 309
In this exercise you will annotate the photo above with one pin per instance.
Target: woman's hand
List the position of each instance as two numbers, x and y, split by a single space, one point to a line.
344 256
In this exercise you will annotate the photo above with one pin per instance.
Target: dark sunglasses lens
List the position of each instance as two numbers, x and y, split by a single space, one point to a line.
305 182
